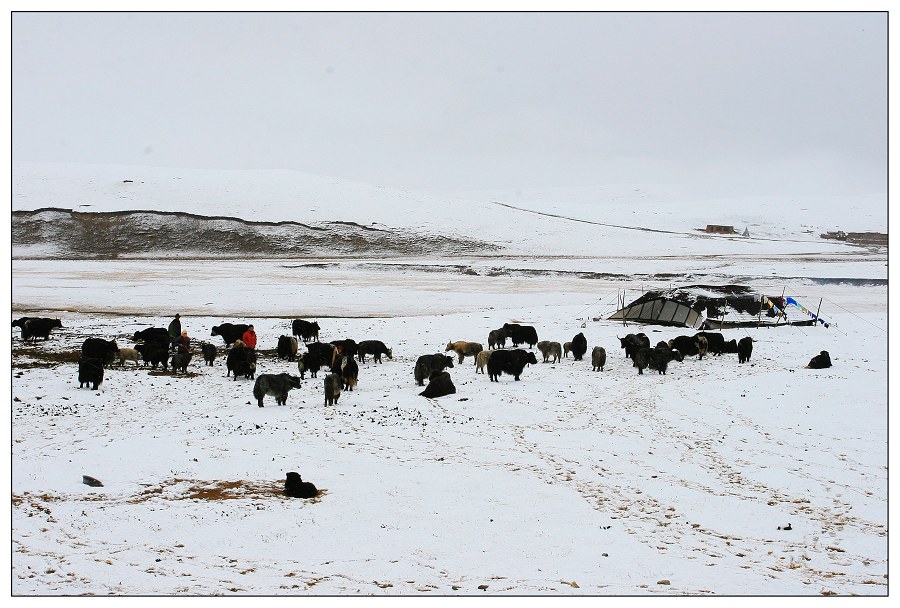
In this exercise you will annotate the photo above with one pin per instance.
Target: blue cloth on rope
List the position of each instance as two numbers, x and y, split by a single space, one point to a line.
794 302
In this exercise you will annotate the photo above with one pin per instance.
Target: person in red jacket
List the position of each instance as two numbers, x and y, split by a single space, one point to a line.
249 338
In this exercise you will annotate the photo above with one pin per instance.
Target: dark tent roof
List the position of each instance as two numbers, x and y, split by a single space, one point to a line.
660 311
690 306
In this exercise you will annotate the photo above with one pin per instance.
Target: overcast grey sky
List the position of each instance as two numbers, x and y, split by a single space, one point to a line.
792 102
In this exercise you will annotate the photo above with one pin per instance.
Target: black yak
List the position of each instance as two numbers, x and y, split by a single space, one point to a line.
241 361
745 348
39 327
820 361
98 348
153 335
715 341
287 347
306 330
295 487
90 371
579 346
521 334
230 332
509 362
209 352
376 348
154 353
428 364
439 385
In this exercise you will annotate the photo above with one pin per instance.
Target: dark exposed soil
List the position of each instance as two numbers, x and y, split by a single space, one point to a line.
28 355
68 234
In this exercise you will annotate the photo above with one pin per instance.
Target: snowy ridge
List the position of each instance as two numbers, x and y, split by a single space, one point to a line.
587 221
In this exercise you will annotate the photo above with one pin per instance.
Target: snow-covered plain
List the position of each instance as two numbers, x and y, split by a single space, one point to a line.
568 482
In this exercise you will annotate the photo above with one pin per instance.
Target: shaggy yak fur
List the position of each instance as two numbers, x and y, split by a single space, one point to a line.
497 339
579 346
428 364
598 358
241 361
820 361
90 371
509 362
376 348
98 348
550 349
521 334
333 384
305 329
230 331
180 362
464 349
439 385
745 349
295 487
274 385
209 352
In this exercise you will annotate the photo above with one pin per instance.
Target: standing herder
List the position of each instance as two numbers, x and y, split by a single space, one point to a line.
175 328
249 338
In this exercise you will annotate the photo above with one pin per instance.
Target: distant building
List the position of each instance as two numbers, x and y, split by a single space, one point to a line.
839 235
715 229
878 239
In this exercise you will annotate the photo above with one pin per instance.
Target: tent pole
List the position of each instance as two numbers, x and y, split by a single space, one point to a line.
817 312
781 312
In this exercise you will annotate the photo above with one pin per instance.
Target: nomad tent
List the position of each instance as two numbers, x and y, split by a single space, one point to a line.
660 311
711 307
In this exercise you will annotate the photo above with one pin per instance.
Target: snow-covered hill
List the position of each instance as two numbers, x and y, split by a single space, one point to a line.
597 222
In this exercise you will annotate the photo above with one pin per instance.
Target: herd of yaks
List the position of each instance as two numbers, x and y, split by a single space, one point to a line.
154 344
340 356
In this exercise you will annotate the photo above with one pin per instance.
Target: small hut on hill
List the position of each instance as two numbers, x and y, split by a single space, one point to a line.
719 229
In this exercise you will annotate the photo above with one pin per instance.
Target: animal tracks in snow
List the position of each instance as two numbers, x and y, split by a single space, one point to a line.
680 465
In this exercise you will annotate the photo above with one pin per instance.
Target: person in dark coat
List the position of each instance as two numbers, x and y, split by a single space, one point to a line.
175 328
183 343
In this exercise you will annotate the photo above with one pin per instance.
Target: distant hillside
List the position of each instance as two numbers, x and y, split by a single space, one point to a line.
110 210
64 233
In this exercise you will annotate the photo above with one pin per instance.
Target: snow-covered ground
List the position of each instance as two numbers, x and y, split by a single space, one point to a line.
568 482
